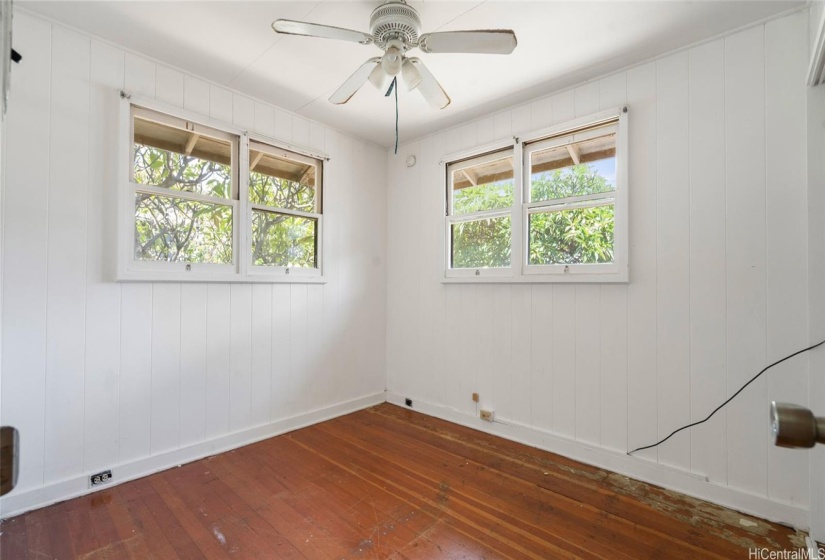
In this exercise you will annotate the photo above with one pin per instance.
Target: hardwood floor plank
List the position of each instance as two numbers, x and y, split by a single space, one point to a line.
14 538
387 483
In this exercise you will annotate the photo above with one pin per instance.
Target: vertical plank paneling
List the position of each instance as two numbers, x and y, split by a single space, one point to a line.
541 362
521 354
66 279
193 365
300 131
484 131
541 113
243 112
707 259
140 76
316 136
486 341
25 243
673 256
469 135
745 248
503 396
169 86
297 383
166 386
264 119
563 106
564 360
218 312
195 95
641 292
468 342
220 103
521 119
786 237
588 357
240 356
135 371
261 360
102 351
315 324
613 363
502 125
283 125
281 351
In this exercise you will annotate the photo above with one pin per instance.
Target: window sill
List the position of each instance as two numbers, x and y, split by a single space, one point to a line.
217 277
571 278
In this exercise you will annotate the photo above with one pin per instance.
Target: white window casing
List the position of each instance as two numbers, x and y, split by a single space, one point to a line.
522 147
241 269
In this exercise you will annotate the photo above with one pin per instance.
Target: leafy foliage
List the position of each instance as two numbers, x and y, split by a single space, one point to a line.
491 196
280 239
175 229
579 235
169 228
482 243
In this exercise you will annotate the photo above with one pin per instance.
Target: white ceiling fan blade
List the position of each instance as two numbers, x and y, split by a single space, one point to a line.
483 41
354 82
429 86
291 27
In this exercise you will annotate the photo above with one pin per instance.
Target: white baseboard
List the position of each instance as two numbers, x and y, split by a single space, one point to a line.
633 467
16 502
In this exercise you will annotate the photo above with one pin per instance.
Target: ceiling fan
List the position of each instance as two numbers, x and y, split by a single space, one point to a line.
396 28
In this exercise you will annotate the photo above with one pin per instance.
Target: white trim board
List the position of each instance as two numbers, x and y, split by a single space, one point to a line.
16 503
640 469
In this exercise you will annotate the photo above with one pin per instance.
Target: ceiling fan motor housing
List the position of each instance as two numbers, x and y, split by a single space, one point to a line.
395 20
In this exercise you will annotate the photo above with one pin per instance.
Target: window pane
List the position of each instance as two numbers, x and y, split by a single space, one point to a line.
481 243
282 240
177 230
486 186
177 159
282 182
575 236
582 168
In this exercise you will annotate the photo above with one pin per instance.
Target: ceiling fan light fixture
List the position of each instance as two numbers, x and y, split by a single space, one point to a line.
378 77
410 74
391 61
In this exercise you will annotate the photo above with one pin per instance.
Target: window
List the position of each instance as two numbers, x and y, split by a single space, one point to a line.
285 203
192 210
480 199
562 218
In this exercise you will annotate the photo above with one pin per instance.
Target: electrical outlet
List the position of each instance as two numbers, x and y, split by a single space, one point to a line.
486 415
100 478
408 402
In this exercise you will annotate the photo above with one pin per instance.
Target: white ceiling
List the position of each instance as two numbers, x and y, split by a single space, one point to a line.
560 44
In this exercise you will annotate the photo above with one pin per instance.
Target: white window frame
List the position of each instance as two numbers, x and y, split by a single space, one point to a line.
520 271
258 271
493 153
241 270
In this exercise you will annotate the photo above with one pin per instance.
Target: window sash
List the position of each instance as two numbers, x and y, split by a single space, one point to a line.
160 266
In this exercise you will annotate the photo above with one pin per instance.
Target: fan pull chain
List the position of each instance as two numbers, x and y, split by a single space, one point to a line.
394 86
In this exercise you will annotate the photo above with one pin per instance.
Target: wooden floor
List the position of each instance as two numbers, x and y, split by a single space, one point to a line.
387 483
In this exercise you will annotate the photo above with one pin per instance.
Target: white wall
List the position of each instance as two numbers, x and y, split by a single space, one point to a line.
138 376
718 282
816 284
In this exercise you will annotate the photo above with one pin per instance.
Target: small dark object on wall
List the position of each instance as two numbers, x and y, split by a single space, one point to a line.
9 458
16 56
408 402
